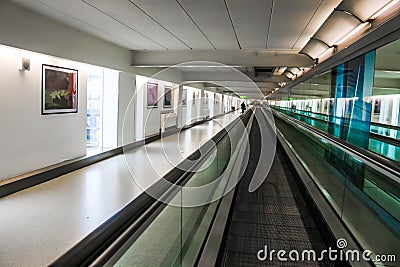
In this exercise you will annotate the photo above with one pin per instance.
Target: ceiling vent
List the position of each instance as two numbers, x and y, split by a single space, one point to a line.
263 71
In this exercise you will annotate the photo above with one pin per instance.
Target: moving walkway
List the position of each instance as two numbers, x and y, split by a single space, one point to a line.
319 190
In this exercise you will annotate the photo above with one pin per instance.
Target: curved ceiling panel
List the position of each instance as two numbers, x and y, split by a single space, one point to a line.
338 24
363 9
314 48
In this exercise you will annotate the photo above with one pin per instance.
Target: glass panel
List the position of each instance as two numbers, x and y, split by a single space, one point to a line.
196 220
367 199
387 70
386 101
357 101
175 237
160 243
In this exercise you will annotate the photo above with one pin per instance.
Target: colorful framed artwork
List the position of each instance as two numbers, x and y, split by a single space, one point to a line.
184 98
152 93
59 90
167 97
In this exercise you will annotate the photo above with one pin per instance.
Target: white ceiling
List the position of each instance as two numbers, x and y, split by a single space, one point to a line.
275 30
192 24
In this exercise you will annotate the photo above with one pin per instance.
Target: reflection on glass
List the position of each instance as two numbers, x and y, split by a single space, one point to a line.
357 101
366 199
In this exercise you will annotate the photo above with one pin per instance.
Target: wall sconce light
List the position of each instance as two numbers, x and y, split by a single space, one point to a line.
25 64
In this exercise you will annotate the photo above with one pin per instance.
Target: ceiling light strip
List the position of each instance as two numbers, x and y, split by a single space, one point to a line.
384 9
354 32
328 51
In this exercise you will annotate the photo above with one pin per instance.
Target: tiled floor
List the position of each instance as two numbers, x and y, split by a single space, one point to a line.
38 224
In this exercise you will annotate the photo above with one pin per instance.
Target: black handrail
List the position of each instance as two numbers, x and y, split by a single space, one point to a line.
379 137
384 125
139 210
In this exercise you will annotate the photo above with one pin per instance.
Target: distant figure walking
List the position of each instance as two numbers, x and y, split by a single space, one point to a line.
243 106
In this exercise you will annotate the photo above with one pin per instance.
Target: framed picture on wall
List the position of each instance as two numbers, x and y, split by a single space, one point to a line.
184 98
152 93
59 90
194 99
206 99
167 97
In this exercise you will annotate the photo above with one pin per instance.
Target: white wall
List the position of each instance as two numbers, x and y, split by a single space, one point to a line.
211 103
24 29
126 108
30 140
192 111
184 111
160 73
148 120
110 108
179 106
200 105
152 116
218 104
191 105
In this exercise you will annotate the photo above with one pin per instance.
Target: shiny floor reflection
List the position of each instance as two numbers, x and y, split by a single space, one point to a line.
38 224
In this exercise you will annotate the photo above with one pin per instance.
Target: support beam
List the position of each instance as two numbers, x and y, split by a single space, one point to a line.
234 57
280 96
195 76
236 84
